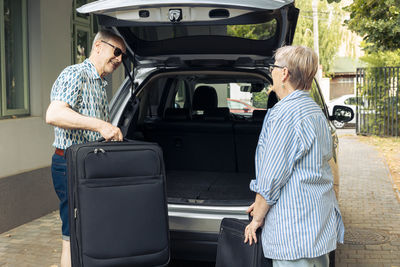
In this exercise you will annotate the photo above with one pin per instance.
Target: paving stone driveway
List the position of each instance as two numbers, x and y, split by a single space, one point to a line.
367 201
369 207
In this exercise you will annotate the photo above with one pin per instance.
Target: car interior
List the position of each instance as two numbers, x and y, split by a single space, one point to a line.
208 151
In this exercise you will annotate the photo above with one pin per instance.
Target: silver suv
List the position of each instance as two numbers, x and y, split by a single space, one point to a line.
189 57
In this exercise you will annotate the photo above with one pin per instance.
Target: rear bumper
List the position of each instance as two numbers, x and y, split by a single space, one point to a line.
193 246
194 229
201 218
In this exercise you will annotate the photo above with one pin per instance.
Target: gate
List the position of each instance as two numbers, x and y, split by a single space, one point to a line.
378 108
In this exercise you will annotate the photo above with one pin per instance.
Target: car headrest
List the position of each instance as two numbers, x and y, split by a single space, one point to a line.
205 97
176 114
259 114
216 114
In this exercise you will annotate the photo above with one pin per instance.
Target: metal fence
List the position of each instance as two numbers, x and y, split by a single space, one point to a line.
378 108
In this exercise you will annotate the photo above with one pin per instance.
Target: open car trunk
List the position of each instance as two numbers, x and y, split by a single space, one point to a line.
208 151
202 160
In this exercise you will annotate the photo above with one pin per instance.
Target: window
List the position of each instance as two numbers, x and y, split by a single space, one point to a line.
231 96
261 31
318 98
223 92
235 105
316 95
351 101
180 97
13 59
84 28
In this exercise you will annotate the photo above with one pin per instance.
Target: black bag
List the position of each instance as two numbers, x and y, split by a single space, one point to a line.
233 252
117 204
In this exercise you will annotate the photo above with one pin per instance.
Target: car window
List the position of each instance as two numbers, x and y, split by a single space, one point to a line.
153 98
239 102
261 31
315 94
235 105
181 95
351 101
222 90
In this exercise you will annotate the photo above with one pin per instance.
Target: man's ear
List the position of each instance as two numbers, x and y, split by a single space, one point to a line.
97 46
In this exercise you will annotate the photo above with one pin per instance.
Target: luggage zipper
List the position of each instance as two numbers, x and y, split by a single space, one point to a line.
116 145
234 231
75 213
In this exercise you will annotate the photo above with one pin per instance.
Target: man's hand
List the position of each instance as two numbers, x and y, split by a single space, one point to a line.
61 115
110 132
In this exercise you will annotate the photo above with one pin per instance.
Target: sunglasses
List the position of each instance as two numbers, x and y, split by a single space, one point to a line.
117 50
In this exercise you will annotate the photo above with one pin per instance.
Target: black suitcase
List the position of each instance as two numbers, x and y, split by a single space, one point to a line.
117 204
233 252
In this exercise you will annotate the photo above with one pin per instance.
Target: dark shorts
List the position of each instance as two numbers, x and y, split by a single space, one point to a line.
59 174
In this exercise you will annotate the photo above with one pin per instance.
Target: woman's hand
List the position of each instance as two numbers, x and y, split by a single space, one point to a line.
250 231
250 209
258 210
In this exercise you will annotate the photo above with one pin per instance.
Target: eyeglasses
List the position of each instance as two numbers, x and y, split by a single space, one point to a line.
117 50
272 66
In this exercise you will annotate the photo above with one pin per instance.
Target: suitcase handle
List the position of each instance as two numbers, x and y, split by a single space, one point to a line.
101 139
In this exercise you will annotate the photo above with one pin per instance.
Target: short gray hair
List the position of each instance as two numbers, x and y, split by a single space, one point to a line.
106 35
302 63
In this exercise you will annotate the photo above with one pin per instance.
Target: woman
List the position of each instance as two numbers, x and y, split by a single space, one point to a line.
294 182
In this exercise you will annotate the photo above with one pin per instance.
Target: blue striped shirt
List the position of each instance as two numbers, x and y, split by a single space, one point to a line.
294 177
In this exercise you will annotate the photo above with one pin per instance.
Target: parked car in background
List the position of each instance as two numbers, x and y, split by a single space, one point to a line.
345 100
240 107
185 55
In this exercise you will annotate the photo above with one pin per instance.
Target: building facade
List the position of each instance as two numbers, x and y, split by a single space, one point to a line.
38 39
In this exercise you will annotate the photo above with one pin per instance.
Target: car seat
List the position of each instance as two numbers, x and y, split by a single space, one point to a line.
205 97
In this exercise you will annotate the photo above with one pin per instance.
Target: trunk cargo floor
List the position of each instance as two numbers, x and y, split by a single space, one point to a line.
209 185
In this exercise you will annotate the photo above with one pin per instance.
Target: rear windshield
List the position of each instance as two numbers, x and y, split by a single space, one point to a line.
261 31
231 96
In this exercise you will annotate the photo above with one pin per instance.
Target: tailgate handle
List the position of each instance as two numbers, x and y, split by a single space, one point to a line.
218 13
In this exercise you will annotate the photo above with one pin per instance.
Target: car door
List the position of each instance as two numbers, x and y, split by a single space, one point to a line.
352 103
333 162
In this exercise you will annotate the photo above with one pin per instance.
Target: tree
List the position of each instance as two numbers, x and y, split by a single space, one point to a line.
330 21
378 21
382 58
260 99
330 30
253 31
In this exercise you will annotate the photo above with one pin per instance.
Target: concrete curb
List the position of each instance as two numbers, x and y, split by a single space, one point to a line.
396 191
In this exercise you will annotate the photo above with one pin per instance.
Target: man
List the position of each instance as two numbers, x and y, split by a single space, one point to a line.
79 112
